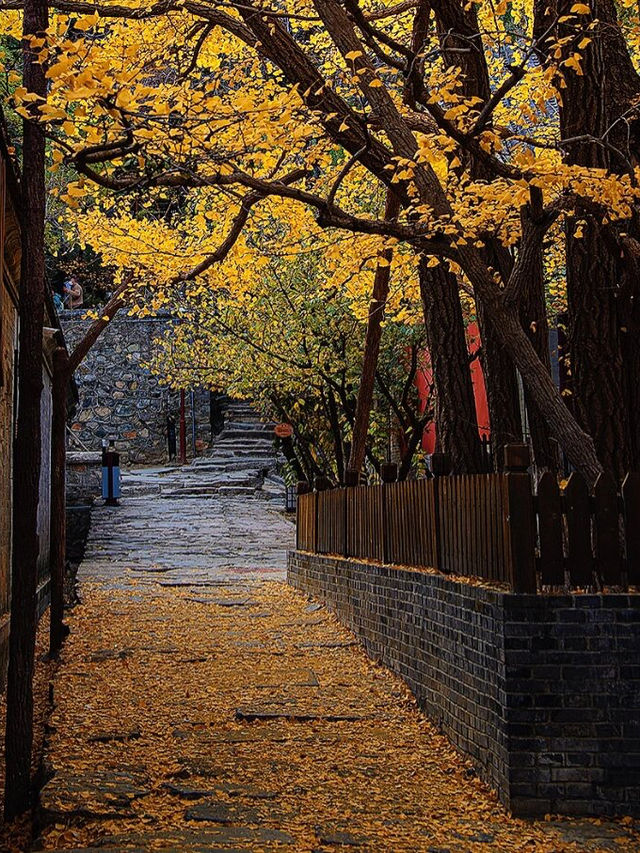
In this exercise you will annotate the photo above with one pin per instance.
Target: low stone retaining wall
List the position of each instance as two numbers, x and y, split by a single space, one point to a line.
84 476
541 692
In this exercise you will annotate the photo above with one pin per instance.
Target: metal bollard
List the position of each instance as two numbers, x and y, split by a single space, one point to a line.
110 473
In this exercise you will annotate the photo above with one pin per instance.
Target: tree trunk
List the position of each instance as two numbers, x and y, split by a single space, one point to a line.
457 29
58 497
533 316
456 421
372 347
577 444
336 432
502 387
595 347
601 358
27 448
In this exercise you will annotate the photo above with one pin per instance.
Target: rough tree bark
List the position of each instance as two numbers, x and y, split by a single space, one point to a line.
603 352
27 447
456 422
372 347
533 316
458 28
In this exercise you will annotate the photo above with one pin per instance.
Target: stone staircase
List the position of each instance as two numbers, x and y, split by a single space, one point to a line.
241 463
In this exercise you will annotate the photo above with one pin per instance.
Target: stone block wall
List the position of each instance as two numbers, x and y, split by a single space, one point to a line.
120 398
541 692
83 477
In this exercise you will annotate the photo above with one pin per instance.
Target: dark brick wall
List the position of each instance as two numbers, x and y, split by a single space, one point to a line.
572 666
542 692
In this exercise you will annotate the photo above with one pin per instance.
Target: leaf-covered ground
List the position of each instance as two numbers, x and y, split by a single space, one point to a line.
241 716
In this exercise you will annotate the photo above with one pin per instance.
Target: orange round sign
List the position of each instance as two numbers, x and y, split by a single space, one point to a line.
283 430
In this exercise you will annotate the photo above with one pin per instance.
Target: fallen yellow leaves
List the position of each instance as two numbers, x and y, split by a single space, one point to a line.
245 715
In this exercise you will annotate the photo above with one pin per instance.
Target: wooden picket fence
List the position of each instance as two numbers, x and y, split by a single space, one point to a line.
489 526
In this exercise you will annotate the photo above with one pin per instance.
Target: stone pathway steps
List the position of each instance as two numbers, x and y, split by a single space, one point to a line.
236 465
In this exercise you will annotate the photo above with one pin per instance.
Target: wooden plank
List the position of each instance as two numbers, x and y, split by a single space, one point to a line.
464 527
472 545
432 522
521 541
577 510
550 530
607 531
631 514
389 532
496 522
474 562
350 523
445 521
453 509
299 512
484 532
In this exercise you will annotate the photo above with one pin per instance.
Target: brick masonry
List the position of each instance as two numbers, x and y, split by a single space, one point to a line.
541 692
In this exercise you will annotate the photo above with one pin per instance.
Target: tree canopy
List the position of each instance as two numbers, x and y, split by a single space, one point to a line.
199 141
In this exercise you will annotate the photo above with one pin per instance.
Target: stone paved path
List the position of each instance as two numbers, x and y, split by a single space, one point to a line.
190 539
202 705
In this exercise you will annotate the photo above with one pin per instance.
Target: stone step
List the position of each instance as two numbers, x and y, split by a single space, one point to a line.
241 451
246 444
236 491
227 464
245 435
246 426
189 491
221 480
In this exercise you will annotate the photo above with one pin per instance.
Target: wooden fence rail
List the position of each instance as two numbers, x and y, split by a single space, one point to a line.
489 526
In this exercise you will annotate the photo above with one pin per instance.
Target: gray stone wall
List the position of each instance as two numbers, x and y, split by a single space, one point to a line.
119 398
542 692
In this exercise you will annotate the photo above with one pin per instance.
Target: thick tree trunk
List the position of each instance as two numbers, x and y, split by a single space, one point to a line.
501 385
458 28
601 358
631 360
456 421
58 498
372 347
533 316
27 448
577 444
595 347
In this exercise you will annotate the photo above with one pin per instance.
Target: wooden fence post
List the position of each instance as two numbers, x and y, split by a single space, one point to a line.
388 474
440 466
345 518
631 509
302 488
521 518
351 477
320 484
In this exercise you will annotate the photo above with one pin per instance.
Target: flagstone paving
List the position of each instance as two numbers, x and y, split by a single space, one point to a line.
203 705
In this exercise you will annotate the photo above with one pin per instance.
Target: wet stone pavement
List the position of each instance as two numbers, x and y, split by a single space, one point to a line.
203 705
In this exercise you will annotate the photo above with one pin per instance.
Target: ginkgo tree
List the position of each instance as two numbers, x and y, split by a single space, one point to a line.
458 110
293 345
455 150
